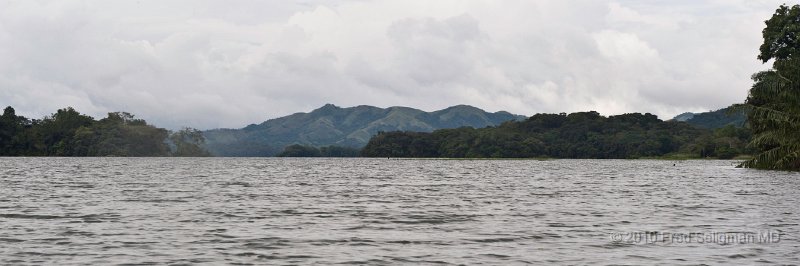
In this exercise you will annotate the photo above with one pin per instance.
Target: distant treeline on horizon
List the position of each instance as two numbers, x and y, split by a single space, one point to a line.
70 133
576 135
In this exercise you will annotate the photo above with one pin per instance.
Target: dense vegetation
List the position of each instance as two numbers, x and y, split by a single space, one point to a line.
774 99
70 133
298 150
331 125
577 135
717 119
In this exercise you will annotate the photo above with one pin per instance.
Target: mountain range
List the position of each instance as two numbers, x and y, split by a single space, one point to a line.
352 127
331 125
714 119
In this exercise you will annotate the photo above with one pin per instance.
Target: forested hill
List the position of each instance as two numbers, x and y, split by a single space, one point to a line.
70 133
459 131
352 127
714 119
577 135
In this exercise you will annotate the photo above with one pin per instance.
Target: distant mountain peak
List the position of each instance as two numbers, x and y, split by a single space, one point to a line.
327 107
349 126
463 107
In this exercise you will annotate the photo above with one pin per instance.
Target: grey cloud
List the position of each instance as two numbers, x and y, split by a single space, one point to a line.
434 52
230 63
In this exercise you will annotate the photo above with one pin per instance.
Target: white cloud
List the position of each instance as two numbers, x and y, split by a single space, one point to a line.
230 63
625 47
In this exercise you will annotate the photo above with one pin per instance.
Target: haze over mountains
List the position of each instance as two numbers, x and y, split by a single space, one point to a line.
348 127
713 119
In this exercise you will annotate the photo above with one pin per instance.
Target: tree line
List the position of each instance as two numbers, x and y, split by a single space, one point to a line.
577 135
70 133
774 99
297 150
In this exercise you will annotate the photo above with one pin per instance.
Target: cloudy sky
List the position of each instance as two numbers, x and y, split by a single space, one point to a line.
229 63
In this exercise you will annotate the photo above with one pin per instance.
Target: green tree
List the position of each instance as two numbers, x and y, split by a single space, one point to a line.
781 35
120 134
70 133
774 99
577 135
298 150
189 142
11 130
54 135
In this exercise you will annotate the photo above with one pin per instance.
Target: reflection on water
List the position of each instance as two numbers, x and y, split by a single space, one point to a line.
379 211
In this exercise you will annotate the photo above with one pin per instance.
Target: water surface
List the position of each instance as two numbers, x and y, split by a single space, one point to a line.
379 211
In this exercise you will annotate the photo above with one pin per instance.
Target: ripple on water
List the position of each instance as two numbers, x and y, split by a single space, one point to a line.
253 211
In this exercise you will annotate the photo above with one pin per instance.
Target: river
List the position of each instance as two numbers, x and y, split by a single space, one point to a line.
379 211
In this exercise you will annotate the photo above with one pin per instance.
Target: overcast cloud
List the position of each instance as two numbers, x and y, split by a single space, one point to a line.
209 64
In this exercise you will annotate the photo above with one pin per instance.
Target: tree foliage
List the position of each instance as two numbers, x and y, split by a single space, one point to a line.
577 135
70 133
781 35
719 118
297 150
774 99
189 142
